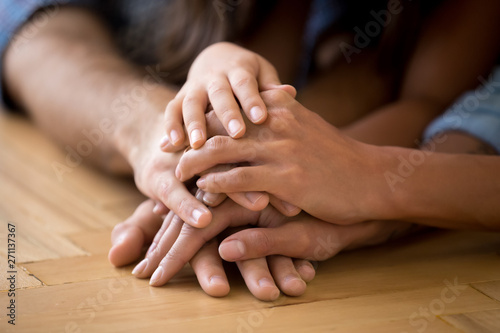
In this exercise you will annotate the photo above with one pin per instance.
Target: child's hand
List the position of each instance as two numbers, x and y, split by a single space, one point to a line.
222 76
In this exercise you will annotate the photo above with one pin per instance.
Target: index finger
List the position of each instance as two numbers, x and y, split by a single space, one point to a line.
191 240
246 89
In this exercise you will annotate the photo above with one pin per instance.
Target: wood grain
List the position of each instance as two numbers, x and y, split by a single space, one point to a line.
434 281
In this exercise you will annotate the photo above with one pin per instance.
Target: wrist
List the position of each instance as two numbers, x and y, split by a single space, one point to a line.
139 121
384 195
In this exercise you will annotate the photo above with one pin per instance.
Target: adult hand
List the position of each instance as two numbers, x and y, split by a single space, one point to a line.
177 243
297 157
308 238
261 276
154 176
302 237
252 200
131 236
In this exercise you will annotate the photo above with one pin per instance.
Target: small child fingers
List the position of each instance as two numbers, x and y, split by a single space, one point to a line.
173 124
193 111
246 89
268 76
268 79
226 108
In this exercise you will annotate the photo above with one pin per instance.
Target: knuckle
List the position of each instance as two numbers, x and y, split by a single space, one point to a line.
260 241
242 81
164 189
280 120
215 88
192 124
275 97
216 143
226 113
184 207
217 182
174 255
240 176
283 113
250 100
302 239
190 100
187 232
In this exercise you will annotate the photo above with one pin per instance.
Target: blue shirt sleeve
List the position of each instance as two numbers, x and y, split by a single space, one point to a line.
476 113
14 13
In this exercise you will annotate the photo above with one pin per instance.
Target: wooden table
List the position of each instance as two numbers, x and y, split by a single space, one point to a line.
436 281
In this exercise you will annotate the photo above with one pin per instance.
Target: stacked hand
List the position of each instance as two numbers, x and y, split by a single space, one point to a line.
291 159
262 251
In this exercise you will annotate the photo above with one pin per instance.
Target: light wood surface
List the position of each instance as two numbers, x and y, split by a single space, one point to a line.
436 281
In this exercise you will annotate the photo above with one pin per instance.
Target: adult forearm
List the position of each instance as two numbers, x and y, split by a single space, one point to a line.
77 87
398 124
443 190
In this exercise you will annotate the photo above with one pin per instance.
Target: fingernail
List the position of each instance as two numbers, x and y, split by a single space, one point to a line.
156 208
289 207
200 195
196 214
234 127
289 278
201 183
156 276
216 279
210 198
234 249
174 136
140 267
164 141
253 197
196 136
266 283
256 113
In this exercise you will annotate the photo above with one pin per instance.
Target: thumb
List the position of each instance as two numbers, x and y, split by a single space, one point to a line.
267 76
268 79
128 237
289 89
